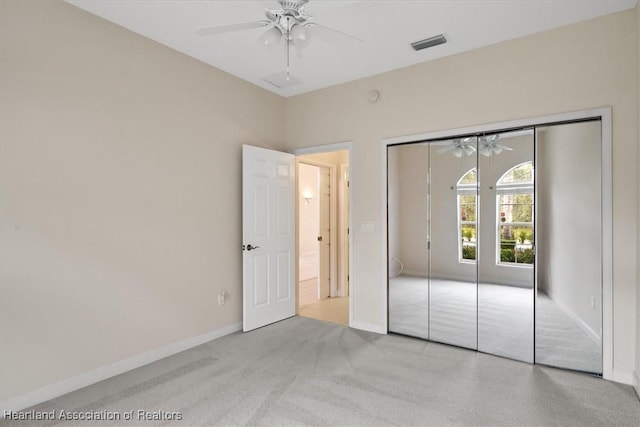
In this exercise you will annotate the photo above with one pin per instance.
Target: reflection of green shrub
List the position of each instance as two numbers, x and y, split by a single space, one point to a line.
507 255
468 252
525 256
467 233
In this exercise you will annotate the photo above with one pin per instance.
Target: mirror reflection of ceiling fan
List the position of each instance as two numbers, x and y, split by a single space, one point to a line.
489 146
289 24
458 147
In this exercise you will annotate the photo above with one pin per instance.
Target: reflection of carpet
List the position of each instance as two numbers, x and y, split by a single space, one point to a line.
561 342
504 319
308 267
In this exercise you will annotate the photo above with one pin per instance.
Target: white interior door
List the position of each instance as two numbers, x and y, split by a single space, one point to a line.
268 236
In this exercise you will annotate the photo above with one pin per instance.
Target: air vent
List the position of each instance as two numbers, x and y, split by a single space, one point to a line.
430 42
281 80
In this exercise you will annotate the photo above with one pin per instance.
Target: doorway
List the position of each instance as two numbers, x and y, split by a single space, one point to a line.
323 236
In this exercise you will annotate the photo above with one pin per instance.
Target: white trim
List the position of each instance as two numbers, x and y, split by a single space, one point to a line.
491 127
317 149
622 376
343 229
384 243
68 385
607 243
636 383
370 327
607 207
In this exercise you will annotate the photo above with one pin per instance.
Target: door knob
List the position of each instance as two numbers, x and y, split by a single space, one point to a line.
319 238
251 247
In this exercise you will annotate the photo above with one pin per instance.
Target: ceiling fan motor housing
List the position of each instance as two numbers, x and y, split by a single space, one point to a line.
291 14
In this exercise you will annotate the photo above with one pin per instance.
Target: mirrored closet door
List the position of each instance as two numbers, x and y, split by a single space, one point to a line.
495 243
408 225
453 272
569 246
506 260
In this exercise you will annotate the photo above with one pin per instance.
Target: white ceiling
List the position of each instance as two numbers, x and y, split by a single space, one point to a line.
387 28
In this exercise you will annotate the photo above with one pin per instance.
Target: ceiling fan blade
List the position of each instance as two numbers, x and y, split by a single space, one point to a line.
445 149
330 35
229 28
504 147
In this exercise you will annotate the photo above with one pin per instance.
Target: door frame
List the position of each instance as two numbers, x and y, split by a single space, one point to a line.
326 148
604 113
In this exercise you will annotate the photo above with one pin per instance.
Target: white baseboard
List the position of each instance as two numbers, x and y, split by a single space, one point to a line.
636 383
60 388
369 327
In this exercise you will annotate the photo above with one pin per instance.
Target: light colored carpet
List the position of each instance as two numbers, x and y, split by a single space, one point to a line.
504 321
301 372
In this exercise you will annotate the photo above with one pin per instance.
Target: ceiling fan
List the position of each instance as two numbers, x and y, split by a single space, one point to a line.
458 147
489 145
289 24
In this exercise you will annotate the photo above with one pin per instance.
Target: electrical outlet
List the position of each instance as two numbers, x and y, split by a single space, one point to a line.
221 298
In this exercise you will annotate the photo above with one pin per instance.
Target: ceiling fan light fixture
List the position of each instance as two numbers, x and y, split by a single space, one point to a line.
271 37
485 151
300 36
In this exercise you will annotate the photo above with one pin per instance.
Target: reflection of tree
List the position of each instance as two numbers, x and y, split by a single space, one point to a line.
468 207
522 211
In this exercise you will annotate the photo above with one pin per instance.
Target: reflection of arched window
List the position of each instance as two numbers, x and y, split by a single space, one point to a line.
467 221
515 215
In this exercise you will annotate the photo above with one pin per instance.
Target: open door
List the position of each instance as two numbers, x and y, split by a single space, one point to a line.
268 236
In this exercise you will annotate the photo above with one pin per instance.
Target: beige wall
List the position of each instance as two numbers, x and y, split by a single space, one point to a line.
586 65
117 154
121 179
308 181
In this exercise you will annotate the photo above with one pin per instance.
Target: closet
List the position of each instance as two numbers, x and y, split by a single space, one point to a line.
495 243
